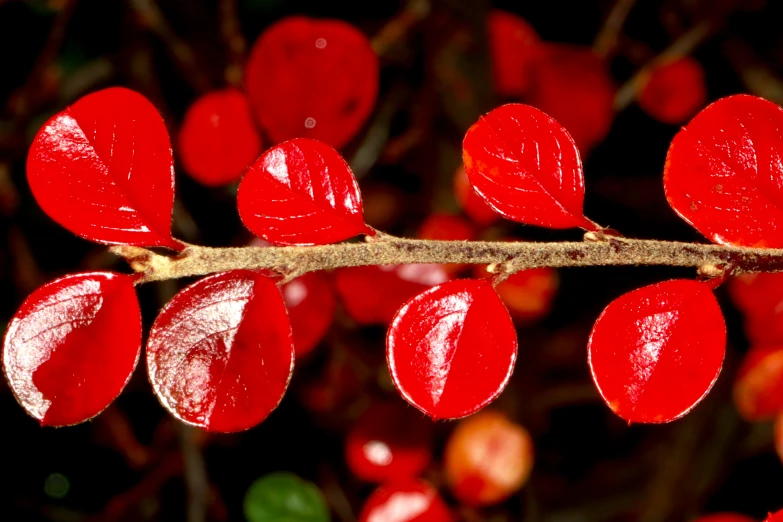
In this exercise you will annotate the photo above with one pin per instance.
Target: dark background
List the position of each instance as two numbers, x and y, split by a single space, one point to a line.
590 466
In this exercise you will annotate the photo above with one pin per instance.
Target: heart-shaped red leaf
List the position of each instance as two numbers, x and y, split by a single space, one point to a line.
218 139
72 346
724 172
526 166
311 302
220 353
373 294
451 349
655 352
102 168
301 192
312 78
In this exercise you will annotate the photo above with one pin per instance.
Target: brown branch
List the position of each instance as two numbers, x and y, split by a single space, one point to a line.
231 31
510 257
609 35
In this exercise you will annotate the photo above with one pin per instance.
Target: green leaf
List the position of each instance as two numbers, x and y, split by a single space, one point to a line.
284 497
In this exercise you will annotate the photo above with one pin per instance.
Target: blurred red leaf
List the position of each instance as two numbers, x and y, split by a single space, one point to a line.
218 139
655 352
724 172
301 192
312 78
760 298
220 353
758 386
72 346
573 86
673 91
451 349
311 302
526 166
103 169
514 45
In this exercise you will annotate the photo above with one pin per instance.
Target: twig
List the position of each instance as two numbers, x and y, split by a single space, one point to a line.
414 12
231 31
294 261
682 46
151 17
195 474
608 36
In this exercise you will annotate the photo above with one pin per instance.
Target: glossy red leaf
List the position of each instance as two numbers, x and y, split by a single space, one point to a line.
103 169
758 386
724 172
220 353
72 346
514 46
526 167
301 192
311 302
373 294
674 91
574 86
470 202
313 79
391 441
405 501
655 352
487 459
218 139
760 298
451 349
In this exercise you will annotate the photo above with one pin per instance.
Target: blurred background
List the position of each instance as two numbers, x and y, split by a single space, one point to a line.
622 76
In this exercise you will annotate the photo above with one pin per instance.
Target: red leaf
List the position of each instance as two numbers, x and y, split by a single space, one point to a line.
514 46
373 294
218 139
674 90
220 354
760 298
655 352
775 517
528 294
758 386
312 78
526 166
573 85
451 349
724 172
311 302
390 441
405 501
301 192
102 168
72 346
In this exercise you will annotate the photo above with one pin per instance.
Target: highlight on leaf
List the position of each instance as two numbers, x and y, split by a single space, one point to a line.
655 352
723 172
72 346
311 78
103 169
220 354
526 167
301 192
451 350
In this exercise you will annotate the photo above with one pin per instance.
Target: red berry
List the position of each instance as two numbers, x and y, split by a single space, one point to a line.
313 79
373 294
722 174
674 91
655 352
758 388
301 192
528 294
526 167
405 501
72 346
103 169
514 45
470 202
390 442
573 85
451 349
218 139
487 459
